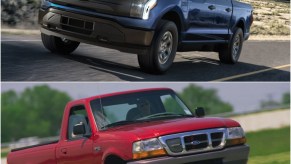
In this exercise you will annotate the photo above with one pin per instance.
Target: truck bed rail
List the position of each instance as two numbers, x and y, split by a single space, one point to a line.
32 146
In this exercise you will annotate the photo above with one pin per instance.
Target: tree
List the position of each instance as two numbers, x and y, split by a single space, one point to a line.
36 111
286 99
19 12
270 103
195 96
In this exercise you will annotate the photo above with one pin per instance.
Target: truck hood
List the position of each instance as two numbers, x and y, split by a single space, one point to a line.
152 129
112 7
243 5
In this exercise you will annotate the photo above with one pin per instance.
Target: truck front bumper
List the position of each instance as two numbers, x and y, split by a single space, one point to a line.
231 155
94 30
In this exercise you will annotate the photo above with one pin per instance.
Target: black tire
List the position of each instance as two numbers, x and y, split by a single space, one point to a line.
228 54
57 45
156 61
114 160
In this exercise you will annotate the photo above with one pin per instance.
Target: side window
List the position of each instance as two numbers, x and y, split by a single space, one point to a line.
78 115
171 105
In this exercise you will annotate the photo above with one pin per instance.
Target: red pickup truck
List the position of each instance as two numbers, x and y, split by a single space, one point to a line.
135 127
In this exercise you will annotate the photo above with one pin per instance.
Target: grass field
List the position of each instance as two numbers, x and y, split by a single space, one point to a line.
4 154
270 146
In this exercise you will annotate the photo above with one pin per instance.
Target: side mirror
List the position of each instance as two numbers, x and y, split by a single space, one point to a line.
79 129
200 112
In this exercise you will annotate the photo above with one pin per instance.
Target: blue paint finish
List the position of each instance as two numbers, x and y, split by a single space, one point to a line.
124 21
201 20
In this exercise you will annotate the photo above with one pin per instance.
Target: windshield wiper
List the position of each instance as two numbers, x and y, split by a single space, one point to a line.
165 115
119 123
145 119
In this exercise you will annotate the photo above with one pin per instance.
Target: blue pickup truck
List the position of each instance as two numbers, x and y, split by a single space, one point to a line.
153 29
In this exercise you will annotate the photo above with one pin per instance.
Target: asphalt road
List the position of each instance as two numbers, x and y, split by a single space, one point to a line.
25 59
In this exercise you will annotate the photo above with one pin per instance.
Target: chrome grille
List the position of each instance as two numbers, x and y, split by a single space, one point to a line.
175 145
194 141
216 138
199 141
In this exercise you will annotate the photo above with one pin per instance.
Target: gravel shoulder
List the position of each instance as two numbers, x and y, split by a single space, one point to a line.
266 120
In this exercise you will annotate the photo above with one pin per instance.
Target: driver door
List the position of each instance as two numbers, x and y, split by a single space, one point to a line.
76 149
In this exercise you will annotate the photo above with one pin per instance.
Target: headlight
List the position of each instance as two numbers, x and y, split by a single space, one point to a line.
147 148
142 8
235 136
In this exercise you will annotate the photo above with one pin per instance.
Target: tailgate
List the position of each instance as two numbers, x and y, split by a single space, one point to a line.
112 7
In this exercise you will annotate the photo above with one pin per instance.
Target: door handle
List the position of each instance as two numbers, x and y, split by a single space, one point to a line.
211 7
228 10
64 151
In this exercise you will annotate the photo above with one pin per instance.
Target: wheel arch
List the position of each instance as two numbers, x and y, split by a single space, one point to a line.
114 152
113 158
241 24
175 15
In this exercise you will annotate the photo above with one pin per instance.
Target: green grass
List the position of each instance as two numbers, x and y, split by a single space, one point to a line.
4 154
269 146
279 158
269 142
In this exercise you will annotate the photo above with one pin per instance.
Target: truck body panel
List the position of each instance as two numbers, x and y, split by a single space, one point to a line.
165 127
45 154
142 26
112 7
98 143
199 24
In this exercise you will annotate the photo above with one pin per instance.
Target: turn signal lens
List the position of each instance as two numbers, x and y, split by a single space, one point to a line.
235 136
237 141
148 154
147 148
252 18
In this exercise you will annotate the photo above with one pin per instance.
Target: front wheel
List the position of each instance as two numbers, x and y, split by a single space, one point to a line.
58 45
230 54
162 52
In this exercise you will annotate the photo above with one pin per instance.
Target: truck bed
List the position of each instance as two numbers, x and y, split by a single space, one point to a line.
32 146
44 153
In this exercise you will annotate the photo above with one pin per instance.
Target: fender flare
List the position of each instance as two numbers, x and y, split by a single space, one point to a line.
173 8
236 25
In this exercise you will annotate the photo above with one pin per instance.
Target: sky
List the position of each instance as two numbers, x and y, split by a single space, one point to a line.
244 97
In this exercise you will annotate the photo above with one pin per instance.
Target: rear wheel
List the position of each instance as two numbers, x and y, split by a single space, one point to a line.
230 53
59 45
162 52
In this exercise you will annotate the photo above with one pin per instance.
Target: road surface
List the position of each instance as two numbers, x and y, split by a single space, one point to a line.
25 59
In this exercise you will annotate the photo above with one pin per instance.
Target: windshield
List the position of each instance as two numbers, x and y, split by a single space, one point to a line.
138 107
